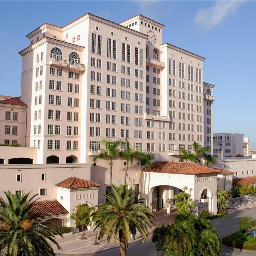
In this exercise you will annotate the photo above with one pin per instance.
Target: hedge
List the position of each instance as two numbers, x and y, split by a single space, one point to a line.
240 241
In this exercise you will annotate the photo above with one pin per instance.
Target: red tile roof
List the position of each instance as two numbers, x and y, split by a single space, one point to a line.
179 168
224 171
49 208
6 97
245 180
73 183
13 101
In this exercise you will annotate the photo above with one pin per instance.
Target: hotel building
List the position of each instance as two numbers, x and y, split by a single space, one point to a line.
94 79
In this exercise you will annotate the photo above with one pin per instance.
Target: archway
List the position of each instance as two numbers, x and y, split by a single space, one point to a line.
162 196
20 160
206 199
71 159
52 160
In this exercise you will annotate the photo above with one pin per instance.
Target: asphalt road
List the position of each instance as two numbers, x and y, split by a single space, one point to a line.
224 226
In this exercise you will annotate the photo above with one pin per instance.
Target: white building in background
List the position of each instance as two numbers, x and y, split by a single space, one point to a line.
247 147
208 115
227 145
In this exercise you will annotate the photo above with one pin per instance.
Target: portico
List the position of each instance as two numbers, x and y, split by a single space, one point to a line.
165 179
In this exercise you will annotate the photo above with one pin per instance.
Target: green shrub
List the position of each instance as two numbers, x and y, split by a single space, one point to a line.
246 223
12 145
205 214
216 216
240 241
63 230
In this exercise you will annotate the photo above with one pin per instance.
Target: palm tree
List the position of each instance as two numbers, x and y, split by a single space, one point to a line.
200 151
210 159
144 160
21 233
128 154
185 156
188 235
122 215
110 152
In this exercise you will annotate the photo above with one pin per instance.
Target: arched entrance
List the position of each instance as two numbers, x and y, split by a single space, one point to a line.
162 196
71 160
206 199
52 160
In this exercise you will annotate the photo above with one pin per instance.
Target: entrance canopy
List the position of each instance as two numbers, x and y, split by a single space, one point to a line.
165 179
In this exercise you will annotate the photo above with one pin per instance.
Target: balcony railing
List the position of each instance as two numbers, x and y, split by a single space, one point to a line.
157 118
59 63
94 152
55 62
174 152
209 97
155 62
77 67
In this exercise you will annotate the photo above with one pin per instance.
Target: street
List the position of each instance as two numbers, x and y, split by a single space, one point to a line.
224 226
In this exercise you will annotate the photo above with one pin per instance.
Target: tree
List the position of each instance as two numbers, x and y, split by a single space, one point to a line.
110 152
144 160
222 200
81 215
122 215
21 233
128 153
246 223
185 156
209 159
200 151
188 235
183 203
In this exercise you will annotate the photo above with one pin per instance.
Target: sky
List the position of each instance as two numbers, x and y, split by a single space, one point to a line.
224 32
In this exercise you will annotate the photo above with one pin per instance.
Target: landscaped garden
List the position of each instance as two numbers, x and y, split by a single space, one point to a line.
245 238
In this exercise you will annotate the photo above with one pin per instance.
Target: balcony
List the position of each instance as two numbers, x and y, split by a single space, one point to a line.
157 118
155 62
174 152
59 63
76 67
209 97
94 152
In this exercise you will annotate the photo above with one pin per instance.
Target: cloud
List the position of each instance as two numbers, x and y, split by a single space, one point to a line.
211 17
153 9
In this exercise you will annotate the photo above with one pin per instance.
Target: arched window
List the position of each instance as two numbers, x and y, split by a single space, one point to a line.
155 54
74 58
56 53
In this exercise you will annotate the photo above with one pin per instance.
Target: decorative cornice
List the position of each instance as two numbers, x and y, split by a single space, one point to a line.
43 27
142 17
210 85
84 17
53 41
176 48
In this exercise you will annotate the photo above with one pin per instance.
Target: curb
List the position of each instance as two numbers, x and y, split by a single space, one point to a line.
92 253
236 249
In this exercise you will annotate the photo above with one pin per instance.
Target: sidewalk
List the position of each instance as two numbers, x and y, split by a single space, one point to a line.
73 244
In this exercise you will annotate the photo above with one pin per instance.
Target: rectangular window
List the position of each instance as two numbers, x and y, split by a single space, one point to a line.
7 129
19 177
14 130
8 115
49 144
42 192
57 144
